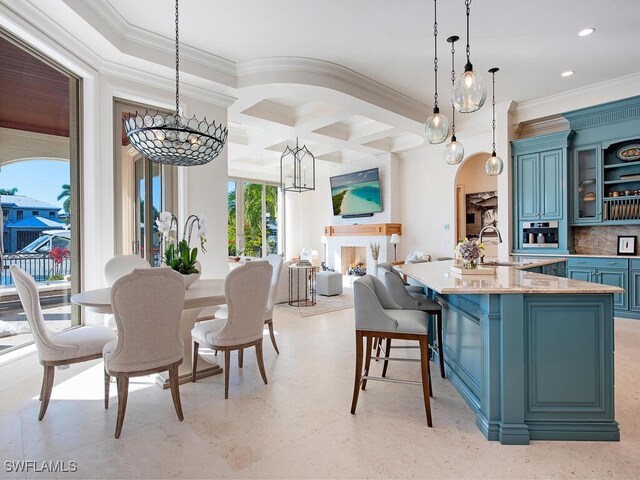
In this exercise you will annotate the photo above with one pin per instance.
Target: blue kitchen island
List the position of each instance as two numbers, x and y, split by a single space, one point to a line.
531 354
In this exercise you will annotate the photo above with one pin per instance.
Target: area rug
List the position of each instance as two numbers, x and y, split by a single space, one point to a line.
323 305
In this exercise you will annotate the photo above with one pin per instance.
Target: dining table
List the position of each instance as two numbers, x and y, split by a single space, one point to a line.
201 294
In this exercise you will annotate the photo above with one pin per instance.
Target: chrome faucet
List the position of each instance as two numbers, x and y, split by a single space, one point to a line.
484 229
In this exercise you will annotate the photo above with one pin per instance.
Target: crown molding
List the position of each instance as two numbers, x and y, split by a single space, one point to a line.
320 73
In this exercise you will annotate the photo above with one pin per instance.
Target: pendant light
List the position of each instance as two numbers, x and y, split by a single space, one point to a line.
436 129
470 90
495 164
297 169
454 151
171 138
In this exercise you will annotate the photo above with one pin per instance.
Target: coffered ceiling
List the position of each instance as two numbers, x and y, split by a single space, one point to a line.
353 78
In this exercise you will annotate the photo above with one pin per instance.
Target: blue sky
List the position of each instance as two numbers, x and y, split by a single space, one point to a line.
39 179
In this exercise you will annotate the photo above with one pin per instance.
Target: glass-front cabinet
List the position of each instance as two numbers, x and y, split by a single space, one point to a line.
587 182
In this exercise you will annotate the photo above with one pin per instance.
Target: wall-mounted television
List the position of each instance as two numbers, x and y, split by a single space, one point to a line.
356 194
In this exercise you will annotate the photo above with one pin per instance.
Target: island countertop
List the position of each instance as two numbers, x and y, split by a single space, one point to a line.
506 280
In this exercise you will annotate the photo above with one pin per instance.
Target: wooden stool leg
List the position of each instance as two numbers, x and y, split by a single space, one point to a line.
123 394
378 346
426 384
440 343
367 362
261 362
47 383
358 376
107 386
273 337
386 354
227 364
194 365
240 357
174 382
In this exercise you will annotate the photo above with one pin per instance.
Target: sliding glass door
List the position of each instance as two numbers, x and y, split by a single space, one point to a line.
148 204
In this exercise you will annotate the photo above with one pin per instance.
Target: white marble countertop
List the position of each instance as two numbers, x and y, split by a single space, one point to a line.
529 255
523 262
508 279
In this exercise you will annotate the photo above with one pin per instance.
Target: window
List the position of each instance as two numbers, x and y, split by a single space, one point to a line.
252 229
19 215
34 213
52 214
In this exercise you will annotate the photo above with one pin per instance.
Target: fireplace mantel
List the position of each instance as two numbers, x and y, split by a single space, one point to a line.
363 229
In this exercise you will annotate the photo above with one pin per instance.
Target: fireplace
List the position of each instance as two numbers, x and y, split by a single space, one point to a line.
354 260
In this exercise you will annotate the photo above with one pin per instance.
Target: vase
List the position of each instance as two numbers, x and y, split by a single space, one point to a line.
372 268
469 264
190 279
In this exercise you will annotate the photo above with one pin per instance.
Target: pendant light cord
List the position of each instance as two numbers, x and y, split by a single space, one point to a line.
177 69
467 4
453 83
493 104
435 51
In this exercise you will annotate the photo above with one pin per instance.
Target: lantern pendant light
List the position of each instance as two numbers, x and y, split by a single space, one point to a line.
495 164
454 151
436 129
470 90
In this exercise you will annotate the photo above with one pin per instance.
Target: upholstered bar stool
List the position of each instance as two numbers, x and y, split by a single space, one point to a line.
400 296
378 316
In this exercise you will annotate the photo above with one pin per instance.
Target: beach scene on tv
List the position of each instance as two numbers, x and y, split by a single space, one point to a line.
356 193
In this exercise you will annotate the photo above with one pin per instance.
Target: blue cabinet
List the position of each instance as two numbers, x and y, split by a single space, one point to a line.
555 269
607 271
540 186
587 185
634 286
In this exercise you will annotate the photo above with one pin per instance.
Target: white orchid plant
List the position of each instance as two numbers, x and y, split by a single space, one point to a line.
178 254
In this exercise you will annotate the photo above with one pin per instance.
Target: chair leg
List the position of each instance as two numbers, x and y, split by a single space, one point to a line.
426 384
227 364
358 376
273 337
378 346
240 357
47 386
175 390
261 362
440 343
107 386
194 363
367 362
386 354
123 394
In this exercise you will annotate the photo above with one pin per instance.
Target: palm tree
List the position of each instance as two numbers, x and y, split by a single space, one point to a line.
66 194
8 191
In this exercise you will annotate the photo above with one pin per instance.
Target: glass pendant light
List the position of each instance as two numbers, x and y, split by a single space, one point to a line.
495 164
436 129
470 90
453 151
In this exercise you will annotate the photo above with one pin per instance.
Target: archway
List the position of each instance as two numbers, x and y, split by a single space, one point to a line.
476 201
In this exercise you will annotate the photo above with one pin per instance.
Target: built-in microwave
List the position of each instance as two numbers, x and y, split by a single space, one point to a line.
540 234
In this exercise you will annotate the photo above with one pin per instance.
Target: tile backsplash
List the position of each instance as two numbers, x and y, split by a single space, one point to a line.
601 240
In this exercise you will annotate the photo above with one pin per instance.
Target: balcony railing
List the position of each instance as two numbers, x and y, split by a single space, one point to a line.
40 265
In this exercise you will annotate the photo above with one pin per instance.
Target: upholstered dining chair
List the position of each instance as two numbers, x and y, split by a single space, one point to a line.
399 294
70 346
378 316
387 267
246 291
122 265
147 305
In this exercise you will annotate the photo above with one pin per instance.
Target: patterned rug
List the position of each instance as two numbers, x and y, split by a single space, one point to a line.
323 305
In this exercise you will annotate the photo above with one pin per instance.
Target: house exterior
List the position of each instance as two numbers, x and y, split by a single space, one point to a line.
25 219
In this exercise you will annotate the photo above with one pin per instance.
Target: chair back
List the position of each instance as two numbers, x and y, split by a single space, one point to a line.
276 263
147 305
122 265
370 301
398 292
246 290
386 267
47 348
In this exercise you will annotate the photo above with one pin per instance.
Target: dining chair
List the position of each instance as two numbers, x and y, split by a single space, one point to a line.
378 316
74 345
147 305
122 265
387 267
399 294
246 291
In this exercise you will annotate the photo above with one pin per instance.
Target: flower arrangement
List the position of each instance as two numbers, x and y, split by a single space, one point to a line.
469 251
178 254
375 249
58 256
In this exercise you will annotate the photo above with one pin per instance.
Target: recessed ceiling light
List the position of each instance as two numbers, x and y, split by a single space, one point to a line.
586 31
568 73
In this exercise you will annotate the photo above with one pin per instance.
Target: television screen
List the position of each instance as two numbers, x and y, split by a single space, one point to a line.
356 193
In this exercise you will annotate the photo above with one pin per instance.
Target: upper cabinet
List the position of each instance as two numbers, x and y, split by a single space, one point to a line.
605 164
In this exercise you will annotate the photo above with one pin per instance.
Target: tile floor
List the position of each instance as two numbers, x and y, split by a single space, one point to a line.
299 425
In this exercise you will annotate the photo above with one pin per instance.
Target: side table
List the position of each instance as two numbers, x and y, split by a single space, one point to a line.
302 285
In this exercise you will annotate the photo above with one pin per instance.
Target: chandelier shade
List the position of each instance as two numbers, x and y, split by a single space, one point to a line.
453 151
436 128
470 90
297 169
494 165
172 139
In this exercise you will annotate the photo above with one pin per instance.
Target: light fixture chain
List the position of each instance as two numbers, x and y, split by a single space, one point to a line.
467 4
435 49
453 82
493 105
177 69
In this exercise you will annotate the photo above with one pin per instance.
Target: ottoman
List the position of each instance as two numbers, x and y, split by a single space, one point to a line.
328 283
